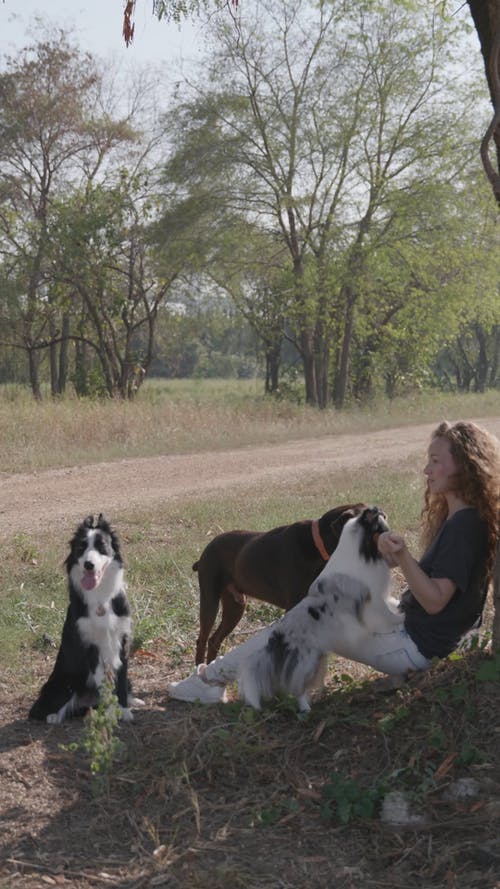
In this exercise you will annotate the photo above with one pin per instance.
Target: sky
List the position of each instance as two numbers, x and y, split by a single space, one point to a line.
97 28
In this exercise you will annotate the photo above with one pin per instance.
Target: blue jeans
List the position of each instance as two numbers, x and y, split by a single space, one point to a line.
391 652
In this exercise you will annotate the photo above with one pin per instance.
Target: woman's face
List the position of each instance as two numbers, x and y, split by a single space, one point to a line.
441 467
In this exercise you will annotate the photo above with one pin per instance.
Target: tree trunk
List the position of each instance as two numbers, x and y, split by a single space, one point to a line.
81 370
486 17
305 326
495 361
322 373
482 360
322 348
53 362
63 354
273 362
309 370
34 366
496 603
343 371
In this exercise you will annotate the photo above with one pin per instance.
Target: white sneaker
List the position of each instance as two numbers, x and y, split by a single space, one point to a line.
194 688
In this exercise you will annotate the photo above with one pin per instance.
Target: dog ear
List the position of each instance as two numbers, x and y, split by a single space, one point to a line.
350 512
103 524
88 522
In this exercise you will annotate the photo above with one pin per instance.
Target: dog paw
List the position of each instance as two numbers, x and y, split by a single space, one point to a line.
135 702
55 719
127 715
250 700
304 703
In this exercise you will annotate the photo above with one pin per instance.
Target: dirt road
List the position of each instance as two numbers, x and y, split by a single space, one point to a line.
30 500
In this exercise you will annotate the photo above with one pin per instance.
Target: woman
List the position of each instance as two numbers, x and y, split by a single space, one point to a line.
447 588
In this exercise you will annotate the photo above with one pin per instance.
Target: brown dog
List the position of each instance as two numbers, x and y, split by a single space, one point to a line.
276 566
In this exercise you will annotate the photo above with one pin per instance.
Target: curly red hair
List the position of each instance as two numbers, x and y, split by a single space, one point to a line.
477 455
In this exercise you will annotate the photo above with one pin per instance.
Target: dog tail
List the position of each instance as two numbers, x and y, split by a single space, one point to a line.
269 671
281 667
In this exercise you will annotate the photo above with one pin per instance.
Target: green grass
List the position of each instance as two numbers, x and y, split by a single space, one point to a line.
159 549
226 794
161 546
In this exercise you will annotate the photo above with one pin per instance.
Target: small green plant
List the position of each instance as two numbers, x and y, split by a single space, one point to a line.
489 671
99 740
436 737
416 780
283 703
270 815
345 799
392 720
469 754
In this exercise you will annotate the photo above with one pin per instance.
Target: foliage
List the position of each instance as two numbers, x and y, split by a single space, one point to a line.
99 740
83 282
309 180
177 10
52 138
102 255
486 24
353 176
489 671
443 284
345 798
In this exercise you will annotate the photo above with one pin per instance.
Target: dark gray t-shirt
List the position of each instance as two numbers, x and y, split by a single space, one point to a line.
458 552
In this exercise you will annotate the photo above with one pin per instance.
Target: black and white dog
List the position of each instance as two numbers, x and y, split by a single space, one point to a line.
97 631
349 596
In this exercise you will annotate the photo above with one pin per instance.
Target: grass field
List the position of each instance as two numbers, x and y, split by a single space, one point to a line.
224 796
176 417
183 416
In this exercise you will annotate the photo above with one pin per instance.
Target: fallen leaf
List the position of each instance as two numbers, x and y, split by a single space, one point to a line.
445 766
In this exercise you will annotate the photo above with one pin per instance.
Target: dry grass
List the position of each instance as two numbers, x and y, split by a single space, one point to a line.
225 797
184 416
235 799
221 796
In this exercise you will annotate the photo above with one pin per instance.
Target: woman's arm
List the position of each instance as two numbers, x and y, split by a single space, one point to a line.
433 593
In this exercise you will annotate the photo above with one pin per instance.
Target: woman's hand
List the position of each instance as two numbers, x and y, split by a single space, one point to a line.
432 593
390 544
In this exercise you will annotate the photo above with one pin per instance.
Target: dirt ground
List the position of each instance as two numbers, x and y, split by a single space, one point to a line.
181 814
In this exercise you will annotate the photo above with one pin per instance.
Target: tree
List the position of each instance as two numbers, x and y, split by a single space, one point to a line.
250 267
85 281
313 126
426 288
104 265
51 135
485 15
171 10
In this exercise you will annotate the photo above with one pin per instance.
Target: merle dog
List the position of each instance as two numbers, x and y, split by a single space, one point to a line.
276 566
347 601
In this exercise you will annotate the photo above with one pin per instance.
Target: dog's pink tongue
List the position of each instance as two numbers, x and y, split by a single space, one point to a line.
89 580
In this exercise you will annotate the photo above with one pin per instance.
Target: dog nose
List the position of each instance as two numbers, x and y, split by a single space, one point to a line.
89 566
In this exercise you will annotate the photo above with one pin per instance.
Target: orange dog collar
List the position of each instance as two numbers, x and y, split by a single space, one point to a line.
318 542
